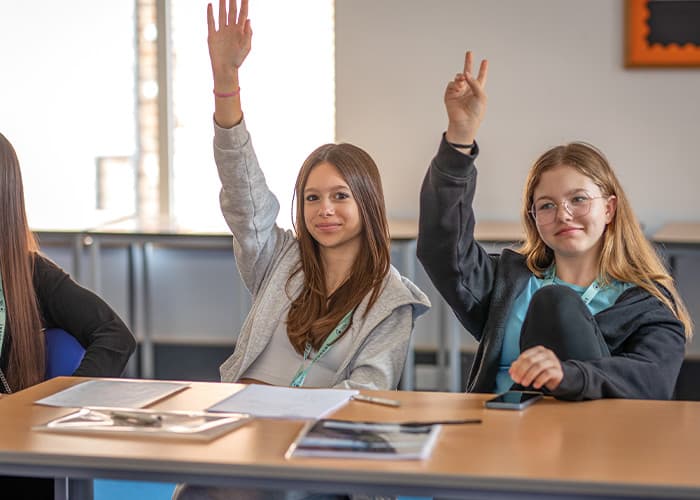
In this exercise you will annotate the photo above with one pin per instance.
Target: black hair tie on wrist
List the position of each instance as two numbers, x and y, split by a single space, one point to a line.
461 146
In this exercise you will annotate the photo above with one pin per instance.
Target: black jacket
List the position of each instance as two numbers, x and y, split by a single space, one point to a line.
646 340
65 304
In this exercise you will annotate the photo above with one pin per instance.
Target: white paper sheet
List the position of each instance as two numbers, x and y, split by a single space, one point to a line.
113 393
284 402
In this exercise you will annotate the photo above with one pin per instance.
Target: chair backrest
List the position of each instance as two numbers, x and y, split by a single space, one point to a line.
63 353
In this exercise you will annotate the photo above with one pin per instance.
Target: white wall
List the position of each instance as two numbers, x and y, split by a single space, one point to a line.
556 74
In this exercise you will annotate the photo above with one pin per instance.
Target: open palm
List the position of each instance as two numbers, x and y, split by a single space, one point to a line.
230 44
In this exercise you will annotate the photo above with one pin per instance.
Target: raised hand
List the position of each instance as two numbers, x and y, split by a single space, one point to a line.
228 48
230 44
465 101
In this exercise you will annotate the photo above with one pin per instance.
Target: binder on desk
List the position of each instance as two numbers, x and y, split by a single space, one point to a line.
192 425
343 439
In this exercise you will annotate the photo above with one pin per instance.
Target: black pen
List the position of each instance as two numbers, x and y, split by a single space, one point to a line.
442 422
343 424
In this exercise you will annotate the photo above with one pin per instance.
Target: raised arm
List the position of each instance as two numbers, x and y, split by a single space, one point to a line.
465 102
228 48
460 269
249 207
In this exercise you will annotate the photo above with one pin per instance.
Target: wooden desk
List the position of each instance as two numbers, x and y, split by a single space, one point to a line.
679 242
484 231
679 233
676 239
614 448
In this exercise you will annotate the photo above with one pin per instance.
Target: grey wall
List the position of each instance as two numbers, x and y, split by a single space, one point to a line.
557 74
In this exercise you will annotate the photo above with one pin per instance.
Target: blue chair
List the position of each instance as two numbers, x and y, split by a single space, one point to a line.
63 356
63 353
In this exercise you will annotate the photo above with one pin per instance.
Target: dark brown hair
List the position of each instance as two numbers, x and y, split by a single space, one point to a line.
26 362
626 253
313 314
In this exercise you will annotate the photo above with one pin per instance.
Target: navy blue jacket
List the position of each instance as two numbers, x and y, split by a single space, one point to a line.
646 340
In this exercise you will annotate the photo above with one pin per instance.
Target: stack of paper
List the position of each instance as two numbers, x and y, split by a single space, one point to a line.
113 393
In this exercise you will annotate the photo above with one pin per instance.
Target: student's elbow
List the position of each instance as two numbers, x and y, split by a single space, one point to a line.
129 342
123 341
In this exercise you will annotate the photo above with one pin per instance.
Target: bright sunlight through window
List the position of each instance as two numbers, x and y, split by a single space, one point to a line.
287 92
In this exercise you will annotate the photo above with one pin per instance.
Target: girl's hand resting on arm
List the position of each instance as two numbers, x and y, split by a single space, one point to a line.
537 367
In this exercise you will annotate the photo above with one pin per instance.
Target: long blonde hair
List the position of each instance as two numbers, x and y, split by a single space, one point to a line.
626 253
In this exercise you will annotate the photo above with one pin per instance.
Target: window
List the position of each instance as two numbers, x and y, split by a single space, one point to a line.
287 91
67 101
80 100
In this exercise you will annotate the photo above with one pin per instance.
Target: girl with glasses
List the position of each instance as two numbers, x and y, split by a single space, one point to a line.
584 309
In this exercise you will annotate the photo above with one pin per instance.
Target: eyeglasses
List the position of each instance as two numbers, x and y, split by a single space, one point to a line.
545 212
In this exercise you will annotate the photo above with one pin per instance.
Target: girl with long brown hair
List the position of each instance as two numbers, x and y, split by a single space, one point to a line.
328 309
585 308
36 294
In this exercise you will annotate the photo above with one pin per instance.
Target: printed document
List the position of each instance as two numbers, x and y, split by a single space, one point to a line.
284 402
113 393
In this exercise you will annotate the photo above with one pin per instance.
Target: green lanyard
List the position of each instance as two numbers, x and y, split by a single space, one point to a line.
587 296
3 315
301 373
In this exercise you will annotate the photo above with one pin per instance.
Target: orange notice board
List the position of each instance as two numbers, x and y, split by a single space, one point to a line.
662 33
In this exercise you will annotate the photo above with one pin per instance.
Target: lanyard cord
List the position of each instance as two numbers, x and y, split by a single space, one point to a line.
587 296
5 385
3 317
300 375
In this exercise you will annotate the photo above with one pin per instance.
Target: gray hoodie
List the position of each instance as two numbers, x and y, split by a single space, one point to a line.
266 256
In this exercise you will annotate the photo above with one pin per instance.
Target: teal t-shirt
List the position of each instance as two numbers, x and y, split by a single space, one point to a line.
510 351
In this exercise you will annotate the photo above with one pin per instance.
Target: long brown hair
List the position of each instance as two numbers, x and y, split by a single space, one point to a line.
626 253
313 314
26 362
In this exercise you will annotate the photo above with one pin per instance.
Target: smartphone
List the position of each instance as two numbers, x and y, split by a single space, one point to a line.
513 400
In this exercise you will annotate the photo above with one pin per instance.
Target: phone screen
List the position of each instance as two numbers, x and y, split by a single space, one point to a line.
515 400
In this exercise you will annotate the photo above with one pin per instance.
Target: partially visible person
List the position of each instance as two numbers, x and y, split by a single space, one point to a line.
585 308
36 294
